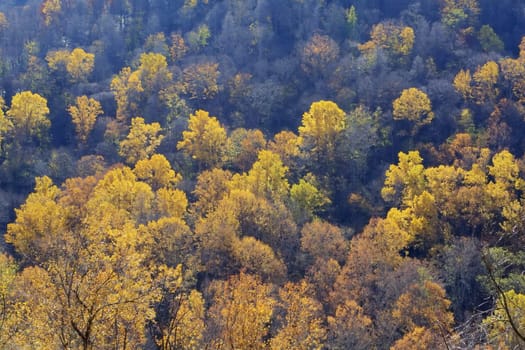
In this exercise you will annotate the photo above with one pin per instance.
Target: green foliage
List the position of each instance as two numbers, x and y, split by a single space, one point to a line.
489 40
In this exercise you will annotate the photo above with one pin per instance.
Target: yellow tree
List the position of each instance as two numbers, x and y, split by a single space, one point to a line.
485 79
286 145
258 258
13 313
413 105
127 88
185 325
36 220
57 60
374 254
405 180
50 10
424 304
513 70
170 202
418 338
462 84
267 177
120 194
218 233
80 64
141 142
5 123
320 129
174 244
28 114
153 71
212 186
420 220
506 324
350 328
396 40
241 310
92 286
302 326
205 140
84 115
157 172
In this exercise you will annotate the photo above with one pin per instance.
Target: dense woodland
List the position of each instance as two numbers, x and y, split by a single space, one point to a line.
262 174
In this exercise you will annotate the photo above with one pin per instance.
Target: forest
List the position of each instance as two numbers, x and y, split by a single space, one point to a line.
262 174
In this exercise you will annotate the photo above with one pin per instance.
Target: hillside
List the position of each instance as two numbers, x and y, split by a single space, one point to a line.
262 174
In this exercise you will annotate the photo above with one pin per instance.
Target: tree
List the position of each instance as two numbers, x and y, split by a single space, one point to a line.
28 113
127 87
205 139
156 43
218 233
80 64
506 323
322 240
50 10
405 180
424 305
418 338
118 198
5 124
513 70
212 186
462 84
84 115
170 203
349 328
258 258
13 313
200 80
157 172
243 147
153 72
485 79
396 40
91 285
302 324
420 220
459 13
36 221
199 37
318 53
415 106
184 327
286 145
241 311
307 199
373 256
266 179
489 40
174 244
178 47
320 129
141 142
57 60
